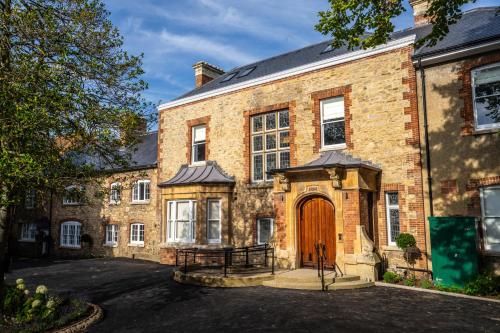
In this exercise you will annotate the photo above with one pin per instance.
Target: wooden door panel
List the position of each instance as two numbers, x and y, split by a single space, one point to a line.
316 225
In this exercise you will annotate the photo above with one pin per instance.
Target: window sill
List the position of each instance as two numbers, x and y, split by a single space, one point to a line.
391 248
178 243
71 204
26 240
140 202
485 131
266 184
115 203
201 163
136 244
70 247
336 147
110 245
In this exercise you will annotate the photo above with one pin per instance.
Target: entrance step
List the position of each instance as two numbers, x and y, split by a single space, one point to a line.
307 279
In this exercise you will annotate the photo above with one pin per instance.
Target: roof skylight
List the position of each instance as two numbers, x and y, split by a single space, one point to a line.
229 77
247 71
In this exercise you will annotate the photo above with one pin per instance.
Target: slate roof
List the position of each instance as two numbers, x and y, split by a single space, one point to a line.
330 159
476 25
208 173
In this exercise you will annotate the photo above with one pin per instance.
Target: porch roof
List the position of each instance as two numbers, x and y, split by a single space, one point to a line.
332 159
208 173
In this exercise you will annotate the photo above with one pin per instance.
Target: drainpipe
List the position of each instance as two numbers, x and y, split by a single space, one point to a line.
426 138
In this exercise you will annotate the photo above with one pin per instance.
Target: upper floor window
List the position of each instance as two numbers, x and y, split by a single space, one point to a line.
111 234
333 123
264 230
70 234
140 191
181 221
115 193
490 211
28 232
137 233
198 144
214 221
270 144
30 199
392 214
73 195
486 94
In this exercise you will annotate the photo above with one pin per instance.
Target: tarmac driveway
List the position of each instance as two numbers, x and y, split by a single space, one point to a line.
140 296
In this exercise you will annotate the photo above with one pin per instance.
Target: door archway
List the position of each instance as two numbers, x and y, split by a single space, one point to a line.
316 224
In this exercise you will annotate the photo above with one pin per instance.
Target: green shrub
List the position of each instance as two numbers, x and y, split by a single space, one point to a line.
426 284
391 277
452 289
409 282
405 241
485 284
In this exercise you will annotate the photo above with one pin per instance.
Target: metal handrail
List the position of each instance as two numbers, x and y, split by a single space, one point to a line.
321 257
247 256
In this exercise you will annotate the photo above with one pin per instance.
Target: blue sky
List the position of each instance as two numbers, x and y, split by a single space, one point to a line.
175 34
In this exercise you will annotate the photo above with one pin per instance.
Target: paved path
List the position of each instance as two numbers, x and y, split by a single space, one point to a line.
139 296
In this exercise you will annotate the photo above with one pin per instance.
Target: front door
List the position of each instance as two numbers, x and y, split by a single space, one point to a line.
316 225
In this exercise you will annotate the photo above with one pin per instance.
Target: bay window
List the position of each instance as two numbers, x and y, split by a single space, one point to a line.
270 144
181 221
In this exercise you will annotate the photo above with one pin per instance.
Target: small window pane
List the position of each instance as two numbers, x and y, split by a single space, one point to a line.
284 120
488 110
213 230
258 172
199 152
199 134
284 139
284 159
270 141
392 198
264 230
333 133
394 218
270 121
492 232
257 124
333 108
171 215
257 143
270 162
183 211
183 230
214 210
491 201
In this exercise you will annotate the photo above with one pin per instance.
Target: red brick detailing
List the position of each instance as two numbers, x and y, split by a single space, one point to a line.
316 97
467 112
279 221
247 115
196 122
201 79
167 256
472 192
352 218
449 186
420 20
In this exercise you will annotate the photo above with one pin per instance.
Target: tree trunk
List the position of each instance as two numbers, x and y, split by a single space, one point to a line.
4 241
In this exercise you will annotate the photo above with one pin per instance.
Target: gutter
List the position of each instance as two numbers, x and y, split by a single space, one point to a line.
426 137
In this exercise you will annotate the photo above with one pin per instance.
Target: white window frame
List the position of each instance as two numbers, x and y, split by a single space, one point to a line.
195 143
473 85
321 109
264 152
114 235
115 190
219 220
137 233
488 247
30 199
172 223
147 191
69 201
28 232
388 207
76 244
259 220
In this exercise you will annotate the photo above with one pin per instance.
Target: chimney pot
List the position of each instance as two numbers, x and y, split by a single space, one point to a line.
205 72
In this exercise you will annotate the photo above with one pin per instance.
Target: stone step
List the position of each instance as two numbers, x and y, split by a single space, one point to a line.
317 285
299 278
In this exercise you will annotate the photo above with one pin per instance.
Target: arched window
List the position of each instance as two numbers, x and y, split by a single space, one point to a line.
70 234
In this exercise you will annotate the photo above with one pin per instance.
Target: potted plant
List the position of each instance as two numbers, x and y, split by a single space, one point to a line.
407 243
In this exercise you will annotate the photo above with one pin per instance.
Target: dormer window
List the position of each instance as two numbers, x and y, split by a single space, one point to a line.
198 144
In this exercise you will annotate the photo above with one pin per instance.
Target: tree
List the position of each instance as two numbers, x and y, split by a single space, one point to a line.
365 24
69 98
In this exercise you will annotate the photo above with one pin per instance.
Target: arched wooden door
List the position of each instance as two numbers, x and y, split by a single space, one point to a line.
316 225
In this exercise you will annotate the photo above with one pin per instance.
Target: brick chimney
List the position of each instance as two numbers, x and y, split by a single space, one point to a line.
204 73
419 9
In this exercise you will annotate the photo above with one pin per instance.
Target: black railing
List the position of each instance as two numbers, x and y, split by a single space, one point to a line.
321 257
227 259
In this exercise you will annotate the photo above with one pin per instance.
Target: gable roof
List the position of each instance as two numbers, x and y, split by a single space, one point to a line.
475 26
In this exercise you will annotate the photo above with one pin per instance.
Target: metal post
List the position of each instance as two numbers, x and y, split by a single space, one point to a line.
316 247
265 255
322 275
225 262
246 257
176 257
272 261
185 262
